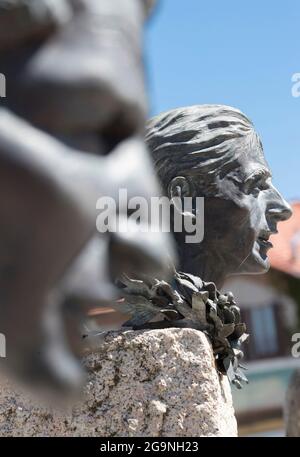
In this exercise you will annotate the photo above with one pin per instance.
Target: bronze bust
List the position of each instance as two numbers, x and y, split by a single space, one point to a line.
219 156
209 151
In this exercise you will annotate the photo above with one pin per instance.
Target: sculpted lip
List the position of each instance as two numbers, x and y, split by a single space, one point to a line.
265 243
263 239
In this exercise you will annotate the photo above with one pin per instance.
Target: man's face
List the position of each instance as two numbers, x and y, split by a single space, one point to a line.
241 219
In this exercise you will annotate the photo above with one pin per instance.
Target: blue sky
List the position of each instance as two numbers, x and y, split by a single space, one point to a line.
237 53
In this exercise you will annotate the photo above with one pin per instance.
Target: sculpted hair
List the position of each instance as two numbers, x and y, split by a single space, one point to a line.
202 140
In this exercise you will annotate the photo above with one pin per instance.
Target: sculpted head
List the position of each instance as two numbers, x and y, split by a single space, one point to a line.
213 151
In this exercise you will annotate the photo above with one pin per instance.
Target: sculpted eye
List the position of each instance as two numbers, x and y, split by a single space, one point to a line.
236 181
254 184
263 184
257 183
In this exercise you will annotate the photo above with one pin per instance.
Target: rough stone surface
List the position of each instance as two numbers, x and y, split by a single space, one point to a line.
146 383
292 409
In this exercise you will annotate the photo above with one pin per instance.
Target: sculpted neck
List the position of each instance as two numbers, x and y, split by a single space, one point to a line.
203 263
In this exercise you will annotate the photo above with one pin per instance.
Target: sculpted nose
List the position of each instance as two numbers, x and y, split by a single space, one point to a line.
280 210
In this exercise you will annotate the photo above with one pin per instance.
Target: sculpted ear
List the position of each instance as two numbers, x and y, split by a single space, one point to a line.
179 187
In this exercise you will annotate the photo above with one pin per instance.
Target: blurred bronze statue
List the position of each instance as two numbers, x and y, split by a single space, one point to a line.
71 130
